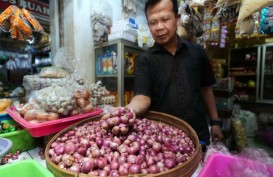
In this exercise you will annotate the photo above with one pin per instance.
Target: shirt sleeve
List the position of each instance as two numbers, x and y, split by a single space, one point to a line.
208 77
143 81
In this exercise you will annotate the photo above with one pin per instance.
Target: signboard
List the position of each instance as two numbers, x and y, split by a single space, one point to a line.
38 9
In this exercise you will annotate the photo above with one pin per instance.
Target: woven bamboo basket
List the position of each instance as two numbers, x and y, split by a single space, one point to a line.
183 170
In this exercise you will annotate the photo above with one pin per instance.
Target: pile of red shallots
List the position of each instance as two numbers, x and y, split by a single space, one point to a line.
121 145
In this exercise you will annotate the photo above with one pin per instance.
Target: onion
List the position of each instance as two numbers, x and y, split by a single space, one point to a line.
135 169
114 165
169 163
123 170
156 147
53 144
113 146
115 130
59 149
110 122
122 159
131 159
85 94
51 152
144 171
132 137
124 130
101 162
107 169
87 166
87 108
114 173
124 119
75 168
94 173
123 148
69 148
153 169
99 142
95 153
116 120
82 150
132 150
140 159
102 173
104 125
131 122
116 112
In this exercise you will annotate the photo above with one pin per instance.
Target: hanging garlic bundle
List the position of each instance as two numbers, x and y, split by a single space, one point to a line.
129 8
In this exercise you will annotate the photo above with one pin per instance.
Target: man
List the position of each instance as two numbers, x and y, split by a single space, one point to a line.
175 76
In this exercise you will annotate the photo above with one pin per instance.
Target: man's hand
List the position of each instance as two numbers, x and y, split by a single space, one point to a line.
118 111
216 133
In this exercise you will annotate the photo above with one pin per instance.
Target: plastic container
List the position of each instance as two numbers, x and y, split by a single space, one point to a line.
24 168
4 116
50 127
220 165
5 145
21 139
185 169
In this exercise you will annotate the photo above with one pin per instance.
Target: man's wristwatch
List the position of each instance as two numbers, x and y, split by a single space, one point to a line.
216 122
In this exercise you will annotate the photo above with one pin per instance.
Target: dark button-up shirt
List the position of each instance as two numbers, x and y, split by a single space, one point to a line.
174 82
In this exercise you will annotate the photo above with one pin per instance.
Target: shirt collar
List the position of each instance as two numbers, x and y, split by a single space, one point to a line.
157 47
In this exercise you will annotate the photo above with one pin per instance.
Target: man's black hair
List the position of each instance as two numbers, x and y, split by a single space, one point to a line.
154 2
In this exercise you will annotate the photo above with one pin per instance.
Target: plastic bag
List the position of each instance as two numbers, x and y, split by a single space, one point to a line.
215 148
247 26
53 72
255 163
66 59
56 99
4 103
248 120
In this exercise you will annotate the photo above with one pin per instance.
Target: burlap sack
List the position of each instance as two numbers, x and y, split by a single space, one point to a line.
249 7
247 26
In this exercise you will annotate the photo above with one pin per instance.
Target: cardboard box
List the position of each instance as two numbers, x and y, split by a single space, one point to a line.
122 35
123 28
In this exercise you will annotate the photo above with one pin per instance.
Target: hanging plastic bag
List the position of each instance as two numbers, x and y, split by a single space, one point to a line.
65 58
101 21
247 26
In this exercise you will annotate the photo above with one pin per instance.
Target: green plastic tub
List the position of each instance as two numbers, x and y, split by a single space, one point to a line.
25 168
21 139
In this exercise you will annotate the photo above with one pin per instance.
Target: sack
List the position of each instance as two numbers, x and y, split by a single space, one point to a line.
249 7
247 26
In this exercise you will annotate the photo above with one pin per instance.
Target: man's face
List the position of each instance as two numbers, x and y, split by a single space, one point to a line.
162 22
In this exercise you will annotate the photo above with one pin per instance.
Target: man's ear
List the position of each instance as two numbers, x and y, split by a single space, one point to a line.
178 19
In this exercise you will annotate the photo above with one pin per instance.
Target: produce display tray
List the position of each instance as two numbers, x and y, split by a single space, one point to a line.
49 127
24 168
221 165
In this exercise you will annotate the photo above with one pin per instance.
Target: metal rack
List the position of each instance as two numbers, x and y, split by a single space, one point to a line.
118 81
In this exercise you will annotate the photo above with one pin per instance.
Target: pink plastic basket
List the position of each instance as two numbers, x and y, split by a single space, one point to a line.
220 165
50 127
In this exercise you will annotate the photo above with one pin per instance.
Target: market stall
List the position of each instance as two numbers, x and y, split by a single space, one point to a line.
58 83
